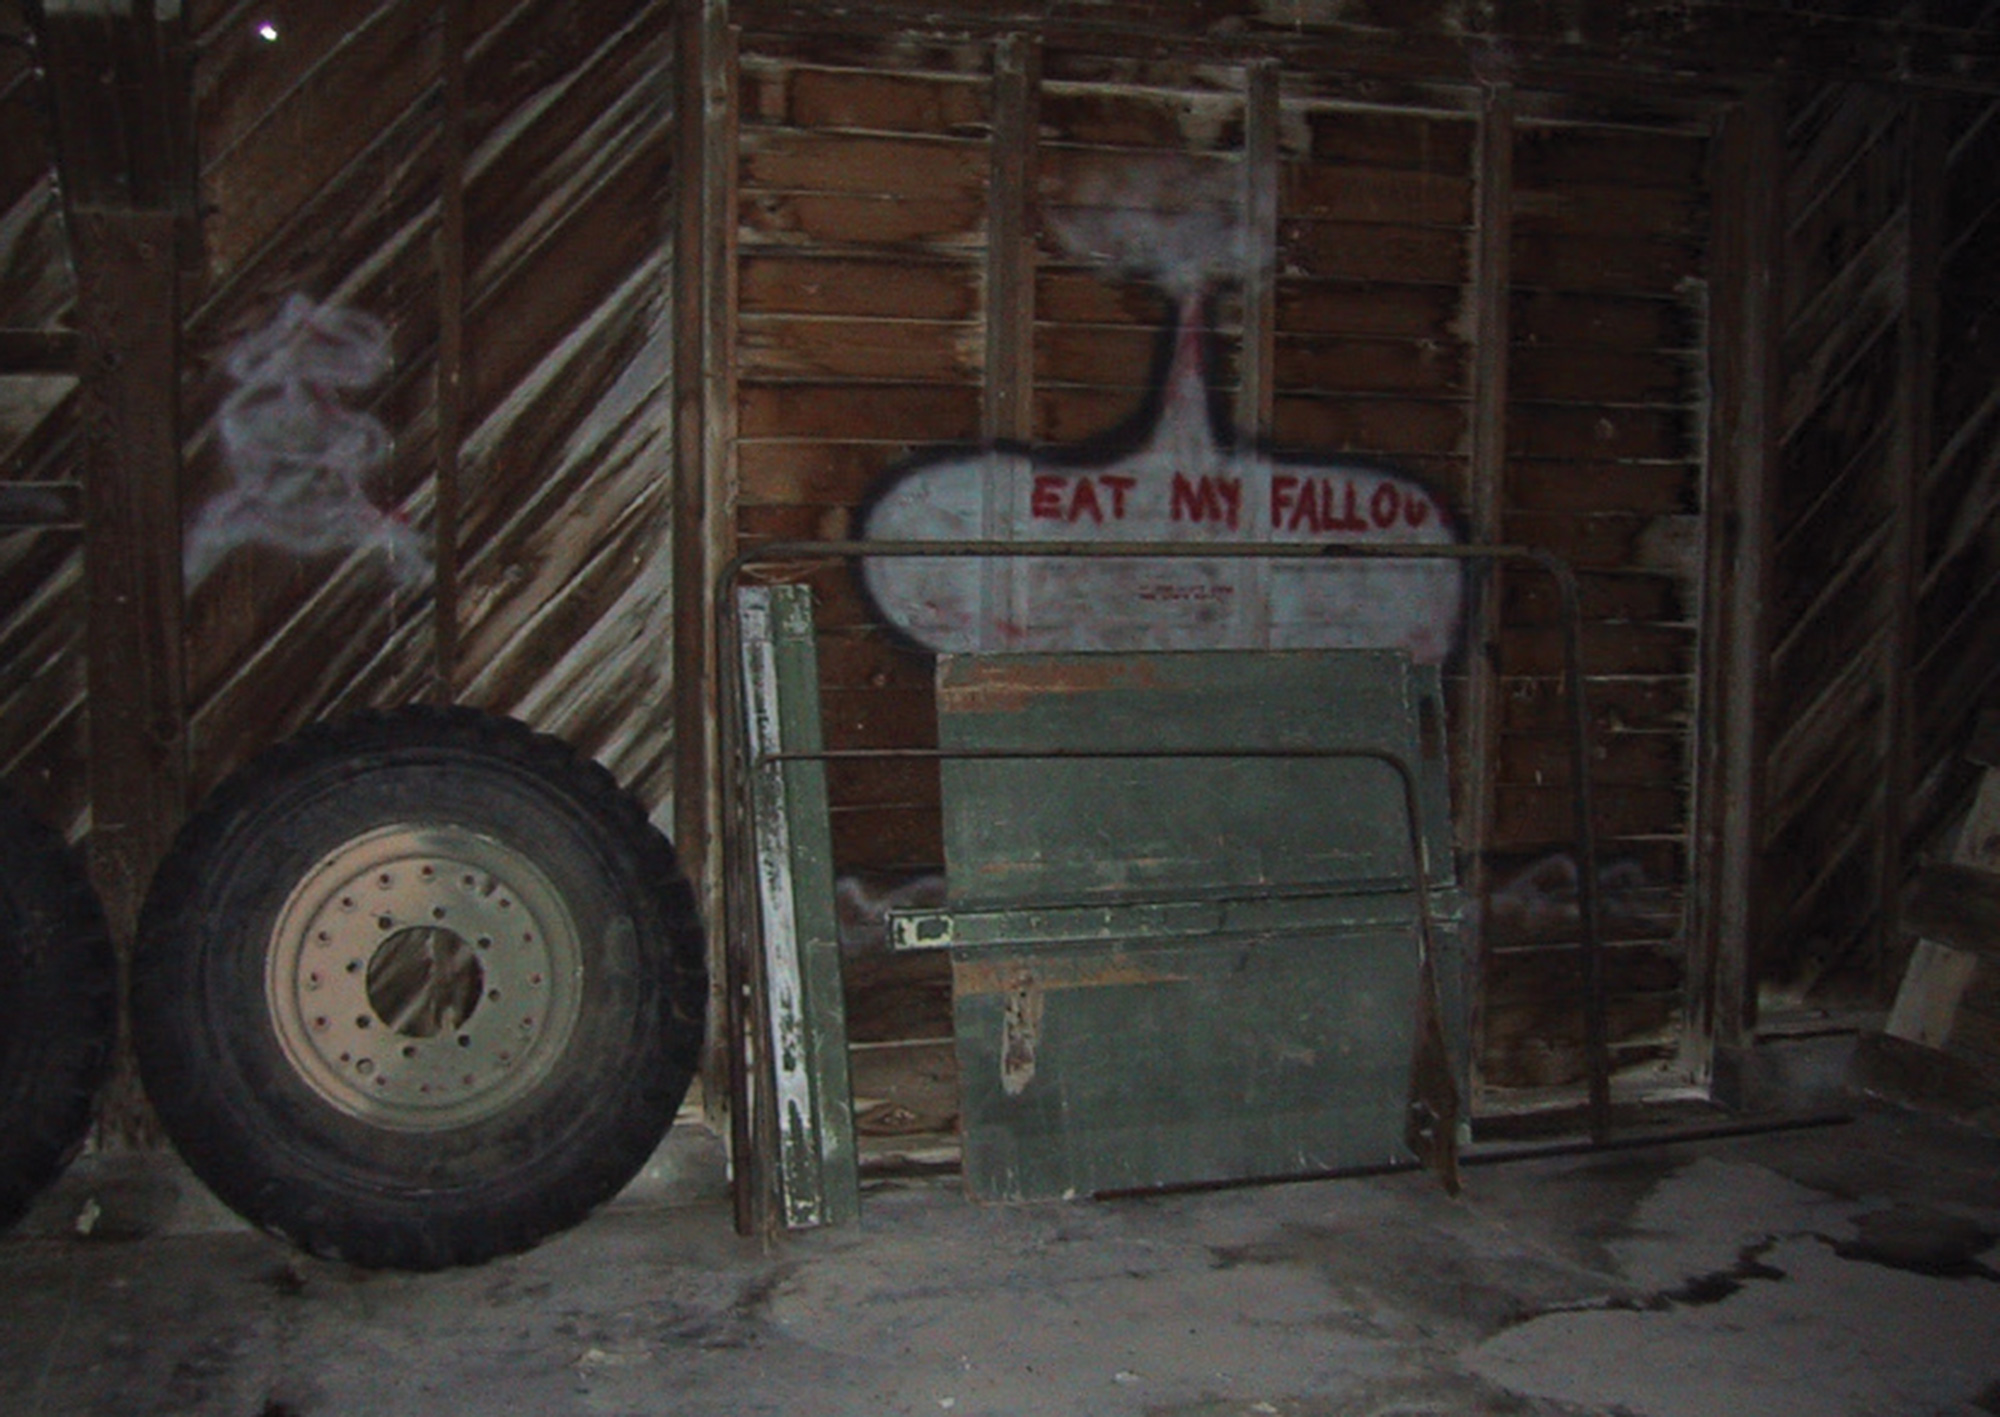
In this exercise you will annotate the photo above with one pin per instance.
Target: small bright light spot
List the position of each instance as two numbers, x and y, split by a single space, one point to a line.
268 32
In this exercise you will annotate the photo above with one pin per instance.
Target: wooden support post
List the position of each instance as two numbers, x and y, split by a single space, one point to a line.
1255 395
1492 278
1729 773
1007 410
127 302
117 83
1007 414
704 532
705 379
1911 449
450 257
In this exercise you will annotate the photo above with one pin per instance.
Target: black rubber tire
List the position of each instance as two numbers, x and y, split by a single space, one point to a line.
58 1006
453 851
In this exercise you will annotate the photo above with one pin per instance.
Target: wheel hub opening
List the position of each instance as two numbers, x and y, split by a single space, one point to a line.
425 980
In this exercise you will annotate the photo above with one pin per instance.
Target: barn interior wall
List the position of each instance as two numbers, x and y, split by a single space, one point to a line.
1882 574
428 377
1491 266
870 186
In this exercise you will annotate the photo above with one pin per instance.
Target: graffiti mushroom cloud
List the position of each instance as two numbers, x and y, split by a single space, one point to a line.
1178 481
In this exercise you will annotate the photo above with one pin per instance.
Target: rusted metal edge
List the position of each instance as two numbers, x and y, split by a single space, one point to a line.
1511 1152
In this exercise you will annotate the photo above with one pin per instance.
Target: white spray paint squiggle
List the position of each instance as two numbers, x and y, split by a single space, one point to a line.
301 459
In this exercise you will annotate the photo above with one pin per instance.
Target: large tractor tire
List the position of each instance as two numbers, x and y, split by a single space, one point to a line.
418 989
58 1006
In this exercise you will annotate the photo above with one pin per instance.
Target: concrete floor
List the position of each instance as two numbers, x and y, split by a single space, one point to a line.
1827 1271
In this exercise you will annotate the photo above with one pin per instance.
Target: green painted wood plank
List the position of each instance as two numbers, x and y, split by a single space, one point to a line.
807 1041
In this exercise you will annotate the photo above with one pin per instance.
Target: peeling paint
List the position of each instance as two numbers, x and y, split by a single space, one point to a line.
1020 1033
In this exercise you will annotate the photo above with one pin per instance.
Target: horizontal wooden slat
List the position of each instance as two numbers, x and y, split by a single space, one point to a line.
879 718
1363 309
871 101
1376 196
1571 320
780 473
1349 364
903 350
1602 376
1542 1044
898 413
1598 434
1607 210
1388 139
1104 118
1358 251
887 838
1616 595
1540 705
1514 976
1608 649
789 160
1386 427
864 222
1535 816
1546 158
777 282
1648 489
1619 265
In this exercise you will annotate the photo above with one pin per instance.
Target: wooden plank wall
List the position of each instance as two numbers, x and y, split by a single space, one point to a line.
1954 668
489 185
1884 573
41 567
868 190
1604 424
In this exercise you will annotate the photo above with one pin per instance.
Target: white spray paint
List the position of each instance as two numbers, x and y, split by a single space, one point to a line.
1181 482
300 459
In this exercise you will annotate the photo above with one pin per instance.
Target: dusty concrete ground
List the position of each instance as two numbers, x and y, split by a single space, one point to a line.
1843 1270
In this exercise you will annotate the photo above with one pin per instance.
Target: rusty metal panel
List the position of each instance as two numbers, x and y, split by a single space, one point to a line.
1172 969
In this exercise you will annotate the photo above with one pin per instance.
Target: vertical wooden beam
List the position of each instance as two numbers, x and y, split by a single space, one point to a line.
705 112
1492 279
1746 180
1911 449
450 258
1255 394
705 412
1007 412
117 84
128 317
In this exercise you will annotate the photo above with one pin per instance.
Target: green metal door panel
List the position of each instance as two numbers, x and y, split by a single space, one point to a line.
1087 1070
1191 968
1055 829
1080 829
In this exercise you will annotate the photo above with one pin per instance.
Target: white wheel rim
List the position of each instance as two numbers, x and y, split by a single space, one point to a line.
423 978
